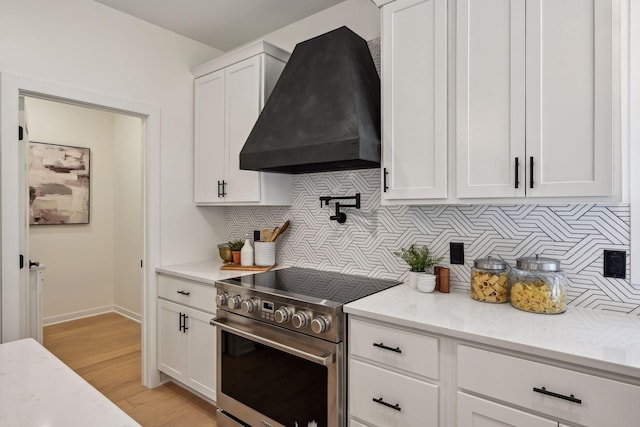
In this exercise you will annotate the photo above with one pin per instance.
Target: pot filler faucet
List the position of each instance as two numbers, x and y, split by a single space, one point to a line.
341 217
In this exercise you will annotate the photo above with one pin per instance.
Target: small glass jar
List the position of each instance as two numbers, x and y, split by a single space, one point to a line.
489 280
538 285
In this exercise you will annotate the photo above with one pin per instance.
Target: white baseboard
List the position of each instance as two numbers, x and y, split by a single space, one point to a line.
52 320
128 313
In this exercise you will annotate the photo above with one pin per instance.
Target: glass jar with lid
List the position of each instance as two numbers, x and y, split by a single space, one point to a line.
538 285
489 280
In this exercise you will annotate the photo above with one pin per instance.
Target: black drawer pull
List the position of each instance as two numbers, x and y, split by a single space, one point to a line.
388 405
570 398
184 293
517 183
381 345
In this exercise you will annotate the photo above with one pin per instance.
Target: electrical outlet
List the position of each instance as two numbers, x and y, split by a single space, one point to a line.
456 253
615 264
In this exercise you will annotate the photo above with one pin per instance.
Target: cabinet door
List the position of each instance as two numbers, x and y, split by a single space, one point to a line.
171 340
243 89
490 98
209 137
414 93
569 97
201 353
475 412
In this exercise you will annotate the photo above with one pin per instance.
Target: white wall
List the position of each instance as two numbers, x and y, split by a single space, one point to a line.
127 204
79 257
361 16
83 44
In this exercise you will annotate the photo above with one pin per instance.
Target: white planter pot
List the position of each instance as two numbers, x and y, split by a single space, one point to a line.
425 282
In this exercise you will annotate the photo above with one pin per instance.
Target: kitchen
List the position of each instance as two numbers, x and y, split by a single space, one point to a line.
99 72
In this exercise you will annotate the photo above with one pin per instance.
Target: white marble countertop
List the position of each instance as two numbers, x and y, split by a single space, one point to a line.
597 339
202 271
37 389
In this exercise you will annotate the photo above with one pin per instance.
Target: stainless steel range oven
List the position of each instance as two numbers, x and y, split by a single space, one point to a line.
281 346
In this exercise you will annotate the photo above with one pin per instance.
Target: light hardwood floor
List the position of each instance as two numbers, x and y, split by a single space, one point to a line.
105 351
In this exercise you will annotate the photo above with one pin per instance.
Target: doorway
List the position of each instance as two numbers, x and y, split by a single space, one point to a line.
14 278
92 266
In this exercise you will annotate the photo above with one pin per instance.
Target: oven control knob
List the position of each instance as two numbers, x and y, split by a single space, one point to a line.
282 315
221 299
249 305
234 302
300 319
320 325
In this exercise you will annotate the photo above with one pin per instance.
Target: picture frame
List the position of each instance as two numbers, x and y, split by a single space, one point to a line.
59 184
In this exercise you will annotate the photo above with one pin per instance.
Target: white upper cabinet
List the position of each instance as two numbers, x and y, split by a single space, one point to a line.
230 92
414 99
569 97
490 98
534 98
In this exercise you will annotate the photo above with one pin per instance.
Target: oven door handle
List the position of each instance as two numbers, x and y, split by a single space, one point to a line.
320 359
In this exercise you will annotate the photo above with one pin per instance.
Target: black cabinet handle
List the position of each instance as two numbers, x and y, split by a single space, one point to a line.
388 405
219 188
180 326
517 172
531 172
184 323
184 293
381 345
570 398
224 188
384 180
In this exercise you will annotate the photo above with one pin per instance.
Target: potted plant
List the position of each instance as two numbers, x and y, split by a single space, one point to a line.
236 247
421 263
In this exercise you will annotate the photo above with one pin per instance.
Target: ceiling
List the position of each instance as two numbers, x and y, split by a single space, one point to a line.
222 24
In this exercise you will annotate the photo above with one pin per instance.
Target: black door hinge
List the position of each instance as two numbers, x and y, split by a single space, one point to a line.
21 261
20 133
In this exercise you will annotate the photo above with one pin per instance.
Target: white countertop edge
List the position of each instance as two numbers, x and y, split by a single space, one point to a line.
37 389
376 311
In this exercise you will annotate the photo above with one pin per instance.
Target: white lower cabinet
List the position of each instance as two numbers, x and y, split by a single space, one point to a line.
559 393
401 376
186 340
476 412
392 376
386 398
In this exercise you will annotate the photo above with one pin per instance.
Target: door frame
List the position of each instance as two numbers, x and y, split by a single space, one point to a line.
12 86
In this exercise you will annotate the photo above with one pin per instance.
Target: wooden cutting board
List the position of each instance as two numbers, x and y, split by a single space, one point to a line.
246 268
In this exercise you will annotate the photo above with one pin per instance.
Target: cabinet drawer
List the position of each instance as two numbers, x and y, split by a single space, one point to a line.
417 401
415 353
189 293
513 380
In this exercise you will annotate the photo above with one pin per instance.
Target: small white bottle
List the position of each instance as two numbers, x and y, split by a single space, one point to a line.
246 254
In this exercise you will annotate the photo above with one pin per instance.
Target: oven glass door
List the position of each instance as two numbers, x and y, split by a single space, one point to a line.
284 387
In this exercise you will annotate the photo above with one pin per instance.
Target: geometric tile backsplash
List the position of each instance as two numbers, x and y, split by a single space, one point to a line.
577 235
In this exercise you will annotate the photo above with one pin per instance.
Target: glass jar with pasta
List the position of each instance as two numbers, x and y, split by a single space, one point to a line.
489 280
538 285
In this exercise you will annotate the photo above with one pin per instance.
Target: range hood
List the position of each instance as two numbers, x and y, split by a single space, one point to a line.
324 111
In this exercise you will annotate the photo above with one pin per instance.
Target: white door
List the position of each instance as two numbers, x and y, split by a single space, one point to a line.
490 98
569 97
414 95
243 88
201 353
171 339
475 412
209 137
